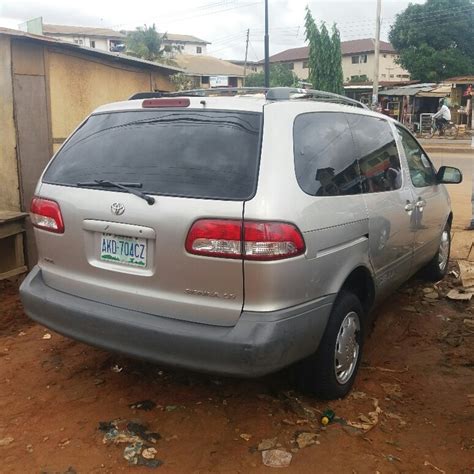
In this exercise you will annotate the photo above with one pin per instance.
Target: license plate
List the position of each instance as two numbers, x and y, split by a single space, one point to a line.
124 250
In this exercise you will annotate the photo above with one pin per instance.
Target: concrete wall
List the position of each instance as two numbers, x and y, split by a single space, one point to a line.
300 71
388 69
79 84
100 42
9 185
187 48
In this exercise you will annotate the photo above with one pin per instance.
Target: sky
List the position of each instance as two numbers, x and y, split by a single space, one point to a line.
223 23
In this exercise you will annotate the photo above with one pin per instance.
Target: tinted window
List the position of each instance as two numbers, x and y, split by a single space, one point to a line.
184 153
379 162
325 158
422 172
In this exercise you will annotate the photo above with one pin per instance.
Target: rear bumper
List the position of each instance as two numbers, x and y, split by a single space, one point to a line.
260 343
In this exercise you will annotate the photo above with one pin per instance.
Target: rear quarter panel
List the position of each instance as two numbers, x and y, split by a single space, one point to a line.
335 229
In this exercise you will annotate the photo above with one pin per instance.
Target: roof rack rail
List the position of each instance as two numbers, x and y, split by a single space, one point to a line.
146 95
272 93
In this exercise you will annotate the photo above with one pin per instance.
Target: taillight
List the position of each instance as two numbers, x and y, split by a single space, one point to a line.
46 214
251 240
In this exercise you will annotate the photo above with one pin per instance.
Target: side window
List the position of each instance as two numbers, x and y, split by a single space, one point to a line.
324 152
422 172
379 161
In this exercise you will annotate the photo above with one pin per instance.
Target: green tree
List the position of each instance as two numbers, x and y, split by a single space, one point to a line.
181 81
314 39
146 43
325 59
280 76
336 59
435 39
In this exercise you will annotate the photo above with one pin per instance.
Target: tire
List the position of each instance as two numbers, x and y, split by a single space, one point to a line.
451 132
318 374
438 266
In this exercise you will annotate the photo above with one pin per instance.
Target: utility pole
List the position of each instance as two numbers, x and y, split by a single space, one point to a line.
375 93
246 55
267 48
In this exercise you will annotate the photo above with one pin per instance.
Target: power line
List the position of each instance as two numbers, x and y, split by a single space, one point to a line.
183 18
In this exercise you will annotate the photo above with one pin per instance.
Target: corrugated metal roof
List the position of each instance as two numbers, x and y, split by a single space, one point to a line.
442 90
461 80
184 38
81 31
412 89
120 57
365 45
208 66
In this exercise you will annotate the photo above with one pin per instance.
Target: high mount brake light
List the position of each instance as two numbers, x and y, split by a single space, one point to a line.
251 240
156 103
46 214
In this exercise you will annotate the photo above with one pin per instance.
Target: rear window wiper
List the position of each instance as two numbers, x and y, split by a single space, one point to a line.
125 186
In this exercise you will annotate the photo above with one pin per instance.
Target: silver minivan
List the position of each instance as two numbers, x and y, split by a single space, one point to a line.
235 232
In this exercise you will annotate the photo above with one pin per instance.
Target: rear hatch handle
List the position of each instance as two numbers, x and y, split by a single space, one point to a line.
125 186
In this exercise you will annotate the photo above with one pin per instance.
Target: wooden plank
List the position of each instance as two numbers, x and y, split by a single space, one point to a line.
12 273
27 58
461 245
11 228
19 251
33 139
32 132
6 216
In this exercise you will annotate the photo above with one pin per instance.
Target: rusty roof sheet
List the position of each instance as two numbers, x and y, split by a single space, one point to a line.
358 46
460 80
119 57
184 38
81 31
208 65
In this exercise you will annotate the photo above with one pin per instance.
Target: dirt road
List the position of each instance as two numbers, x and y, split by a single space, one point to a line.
418 365
418 369
460 193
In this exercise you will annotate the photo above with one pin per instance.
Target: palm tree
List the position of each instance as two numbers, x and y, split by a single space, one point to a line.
146 43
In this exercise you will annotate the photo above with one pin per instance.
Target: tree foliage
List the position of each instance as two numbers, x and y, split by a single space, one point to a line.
181 81
280 76
435 40
146 43
325 59
336 58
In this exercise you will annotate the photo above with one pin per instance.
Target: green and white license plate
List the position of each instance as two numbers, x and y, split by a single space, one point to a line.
124 250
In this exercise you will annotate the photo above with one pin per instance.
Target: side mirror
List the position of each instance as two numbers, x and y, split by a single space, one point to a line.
449 175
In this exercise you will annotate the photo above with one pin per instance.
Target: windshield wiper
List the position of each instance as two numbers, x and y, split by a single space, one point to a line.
125 186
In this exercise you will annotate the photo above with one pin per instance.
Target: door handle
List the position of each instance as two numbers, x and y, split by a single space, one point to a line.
420 204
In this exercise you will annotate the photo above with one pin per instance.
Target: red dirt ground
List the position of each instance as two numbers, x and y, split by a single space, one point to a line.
54 392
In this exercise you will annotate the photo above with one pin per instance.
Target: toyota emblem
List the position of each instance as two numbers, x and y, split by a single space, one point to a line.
117 208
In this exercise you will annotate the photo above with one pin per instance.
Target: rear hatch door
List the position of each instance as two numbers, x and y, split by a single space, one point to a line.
120 250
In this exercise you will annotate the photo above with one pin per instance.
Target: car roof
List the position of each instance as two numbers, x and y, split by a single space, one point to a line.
246 104
251 102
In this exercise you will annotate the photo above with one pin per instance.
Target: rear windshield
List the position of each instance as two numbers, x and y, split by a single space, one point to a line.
203 154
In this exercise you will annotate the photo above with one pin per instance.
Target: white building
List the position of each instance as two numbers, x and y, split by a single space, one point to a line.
110 40
104 39
358 58
185 44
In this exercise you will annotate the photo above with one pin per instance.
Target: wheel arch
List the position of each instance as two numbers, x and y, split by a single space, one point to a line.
361 283
450 219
